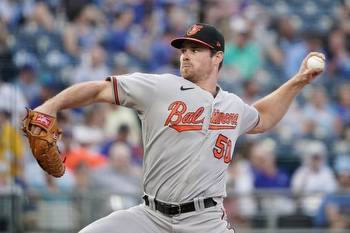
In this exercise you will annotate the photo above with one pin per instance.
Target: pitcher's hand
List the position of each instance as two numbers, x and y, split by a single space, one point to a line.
305 74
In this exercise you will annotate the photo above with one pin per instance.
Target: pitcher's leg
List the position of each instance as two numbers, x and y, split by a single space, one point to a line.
133 220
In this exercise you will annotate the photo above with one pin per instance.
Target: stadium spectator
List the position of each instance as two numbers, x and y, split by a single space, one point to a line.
343 18
12 101
241 53
118 182
119 115
86 29
251 90
90 132
140 41
290 128
176 17
92 66
162 57
11 150
78 158
338 65
122 64
28 82
7 68
287 34
313 179
10 12
342 106
240 204
42 17
42 184
266 173
342 145
123 135
320 119
335 209
117 39
48 193
270 180
119 175
79 161
47 89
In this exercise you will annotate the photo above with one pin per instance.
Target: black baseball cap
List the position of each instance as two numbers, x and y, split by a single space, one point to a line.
204 34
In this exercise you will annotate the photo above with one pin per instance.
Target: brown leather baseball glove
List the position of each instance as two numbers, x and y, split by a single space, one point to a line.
44 144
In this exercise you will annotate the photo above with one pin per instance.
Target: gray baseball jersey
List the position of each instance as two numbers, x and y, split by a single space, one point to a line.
188 135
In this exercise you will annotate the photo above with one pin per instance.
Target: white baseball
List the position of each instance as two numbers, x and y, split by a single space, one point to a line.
315 62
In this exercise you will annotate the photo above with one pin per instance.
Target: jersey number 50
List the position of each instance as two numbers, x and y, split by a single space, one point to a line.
223 148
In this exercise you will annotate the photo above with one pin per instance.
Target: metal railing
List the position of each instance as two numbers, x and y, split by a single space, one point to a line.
272 211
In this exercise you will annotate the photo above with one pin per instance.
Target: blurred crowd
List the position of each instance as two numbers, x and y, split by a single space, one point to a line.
46 46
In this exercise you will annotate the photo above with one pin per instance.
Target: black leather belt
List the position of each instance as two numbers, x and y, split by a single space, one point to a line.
174 209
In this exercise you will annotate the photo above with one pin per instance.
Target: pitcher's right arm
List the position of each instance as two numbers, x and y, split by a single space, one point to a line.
78 95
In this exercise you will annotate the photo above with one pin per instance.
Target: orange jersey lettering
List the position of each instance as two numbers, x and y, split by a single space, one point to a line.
181 120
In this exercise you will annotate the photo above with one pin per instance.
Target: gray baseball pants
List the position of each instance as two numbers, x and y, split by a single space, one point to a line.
144 219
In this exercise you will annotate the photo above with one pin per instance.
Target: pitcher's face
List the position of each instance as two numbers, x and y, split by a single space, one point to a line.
196 62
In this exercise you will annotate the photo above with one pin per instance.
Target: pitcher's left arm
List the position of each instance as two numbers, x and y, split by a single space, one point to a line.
274 106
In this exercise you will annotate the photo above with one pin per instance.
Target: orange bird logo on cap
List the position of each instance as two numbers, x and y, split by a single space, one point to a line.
194 29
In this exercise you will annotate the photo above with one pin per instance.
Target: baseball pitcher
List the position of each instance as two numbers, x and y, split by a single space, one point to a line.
189 128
